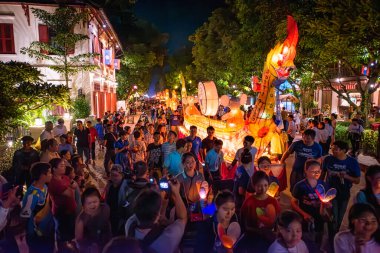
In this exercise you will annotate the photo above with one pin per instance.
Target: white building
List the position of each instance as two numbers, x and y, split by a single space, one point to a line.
19 27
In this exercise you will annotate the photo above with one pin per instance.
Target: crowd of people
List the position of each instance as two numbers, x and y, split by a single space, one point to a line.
167 192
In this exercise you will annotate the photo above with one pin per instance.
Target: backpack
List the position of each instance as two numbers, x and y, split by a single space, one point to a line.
150 237
131 195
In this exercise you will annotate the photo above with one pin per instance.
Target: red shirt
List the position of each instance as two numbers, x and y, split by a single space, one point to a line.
61 203
93 134
250 209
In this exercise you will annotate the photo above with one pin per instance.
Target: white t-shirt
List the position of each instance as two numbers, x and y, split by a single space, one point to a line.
277 247
46 135
253 152
59 130
167 242
344 242
317 135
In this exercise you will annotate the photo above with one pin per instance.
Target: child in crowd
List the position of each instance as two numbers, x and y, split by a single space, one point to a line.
36 208
371 193
260 210
289 239
242 177
363 235
70 173
64 145
306 201
92 226
220 232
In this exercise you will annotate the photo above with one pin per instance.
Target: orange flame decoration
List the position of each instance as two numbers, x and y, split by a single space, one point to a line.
277 68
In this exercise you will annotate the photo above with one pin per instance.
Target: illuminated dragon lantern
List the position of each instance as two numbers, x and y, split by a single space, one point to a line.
232 128
277 68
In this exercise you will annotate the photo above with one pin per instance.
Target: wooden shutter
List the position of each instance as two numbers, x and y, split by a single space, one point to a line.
43 33
7 45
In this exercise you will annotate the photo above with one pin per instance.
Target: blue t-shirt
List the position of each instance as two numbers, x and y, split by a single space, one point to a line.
66 146
213 160
174 120
173 163
100 130
304 152
33 203
197 143
241 180
308 199
349 165
167 148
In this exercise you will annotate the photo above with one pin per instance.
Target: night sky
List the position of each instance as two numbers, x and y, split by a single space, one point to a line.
178 18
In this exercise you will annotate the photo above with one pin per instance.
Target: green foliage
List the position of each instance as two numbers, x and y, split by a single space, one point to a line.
62 23
7 155
370 142
341 133
81 108
24 95
345 33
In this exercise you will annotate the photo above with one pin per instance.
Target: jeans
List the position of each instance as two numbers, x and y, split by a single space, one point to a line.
339 207
84 151
109 155
93 151
65 227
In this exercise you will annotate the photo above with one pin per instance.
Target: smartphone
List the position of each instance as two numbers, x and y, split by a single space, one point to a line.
164 184
151 180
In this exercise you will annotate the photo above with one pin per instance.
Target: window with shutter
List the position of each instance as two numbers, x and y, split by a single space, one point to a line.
43 33
7 44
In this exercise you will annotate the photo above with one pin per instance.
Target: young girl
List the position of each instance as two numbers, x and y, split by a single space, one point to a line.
220 232
371 193
259 211
306 201
92 226
364 233
242 176
289 226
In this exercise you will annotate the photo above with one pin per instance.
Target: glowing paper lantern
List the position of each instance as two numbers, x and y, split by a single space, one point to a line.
233 232
273 189
243 99
325 197
208 101
224 100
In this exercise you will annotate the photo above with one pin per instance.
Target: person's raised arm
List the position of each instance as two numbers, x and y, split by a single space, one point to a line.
180 208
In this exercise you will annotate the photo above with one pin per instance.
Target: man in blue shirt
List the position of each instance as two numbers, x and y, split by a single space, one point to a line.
342 172
169 146
304 149
173 162
197 142
214 159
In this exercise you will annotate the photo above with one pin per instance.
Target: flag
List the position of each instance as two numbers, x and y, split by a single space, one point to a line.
117 64
365 70
107 57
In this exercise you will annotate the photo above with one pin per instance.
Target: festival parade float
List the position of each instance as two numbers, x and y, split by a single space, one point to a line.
232 128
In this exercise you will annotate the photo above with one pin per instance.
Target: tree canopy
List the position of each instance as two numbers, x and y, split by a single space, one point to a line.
23 94
59 50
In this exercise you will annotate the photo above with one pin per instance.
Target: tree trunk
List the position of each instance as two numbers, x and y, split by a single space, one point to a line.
365 106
